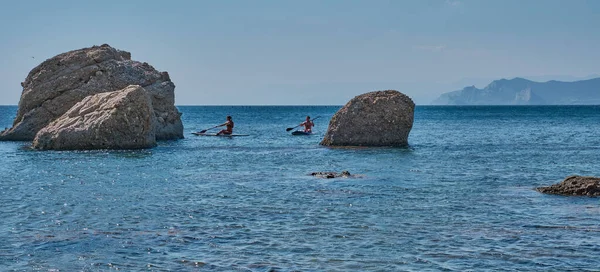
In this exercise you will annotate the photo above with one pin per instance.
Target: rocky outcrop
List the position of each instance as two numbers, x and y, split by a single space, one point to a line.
121 119
57 84
574 186
381 118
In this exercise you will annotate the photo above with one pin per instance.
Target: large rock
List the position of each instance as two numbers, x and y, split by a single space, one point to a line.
57 84
121 119
381 118
574 186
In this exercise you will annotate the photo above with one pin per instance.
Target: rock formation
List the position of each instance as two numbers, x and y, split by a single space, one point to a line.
329 175
54 86
121 119
574 186
381 118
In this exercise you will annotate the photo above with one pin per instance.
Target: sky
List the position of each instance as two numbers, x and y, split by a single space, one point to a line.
311 52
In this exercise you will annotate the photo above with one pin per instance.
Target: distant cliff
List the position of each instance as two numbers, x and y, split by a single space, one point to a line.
520 91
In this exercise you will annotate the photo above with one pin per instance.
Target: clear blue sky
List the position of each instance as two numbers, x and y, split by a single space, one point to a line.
310 52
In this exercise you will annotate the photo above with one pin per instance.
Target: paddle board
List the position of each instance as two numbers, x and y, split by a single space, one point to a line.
299 132
222 135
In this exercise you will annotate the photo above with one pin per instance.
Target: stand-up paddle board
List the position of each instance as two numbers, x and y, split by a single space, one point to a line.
221 135
299 132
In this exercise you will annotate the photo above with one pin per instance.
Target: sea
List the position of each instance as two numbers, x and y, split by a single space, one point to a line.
460 197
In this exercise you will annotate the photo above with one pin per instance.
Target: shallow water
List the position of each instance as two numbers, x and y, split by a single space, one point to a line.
461 197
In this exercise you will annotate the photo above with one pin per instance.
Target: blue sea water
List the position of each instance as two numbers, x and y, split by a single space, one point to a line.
460 198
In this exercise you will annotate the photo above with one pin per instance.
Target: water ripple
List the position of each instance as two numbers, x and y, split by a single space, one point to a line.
460 198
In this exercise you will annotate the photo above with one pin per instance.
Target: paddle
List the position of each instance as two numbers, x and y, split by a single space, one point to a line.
288 129
202 131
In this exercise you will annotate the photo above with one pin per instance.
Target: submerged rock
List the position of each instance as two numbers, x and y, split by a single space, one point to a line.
343 174
574 186
381 118
57 84
114 120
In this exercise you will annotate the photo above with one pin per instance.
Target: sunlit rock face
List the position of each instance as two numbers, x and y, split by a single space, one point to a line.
381 118
121 119
57 84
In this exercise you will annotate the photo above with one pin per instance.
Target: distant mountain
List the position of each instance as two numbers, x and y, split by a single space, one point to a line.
520 91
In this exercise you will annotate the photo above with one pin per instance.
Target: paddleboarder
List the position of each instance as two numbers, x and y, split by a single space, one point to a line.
229 127
308 124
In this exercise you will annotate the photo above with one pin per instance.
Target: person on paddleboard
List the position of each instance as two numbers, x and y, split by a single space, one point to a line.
229 127
308 124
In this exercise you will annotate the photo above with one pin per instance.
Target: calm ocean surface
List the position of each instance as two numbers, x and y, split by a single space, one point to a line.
460 198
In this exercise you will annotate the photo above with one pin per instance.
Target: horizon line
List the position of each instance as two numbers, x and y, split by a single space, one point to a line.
306 105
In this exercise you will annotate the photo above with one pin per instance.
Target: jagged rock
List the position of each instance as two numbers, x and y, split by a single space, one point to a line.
574 186
343 174
54 86
381 118
121 119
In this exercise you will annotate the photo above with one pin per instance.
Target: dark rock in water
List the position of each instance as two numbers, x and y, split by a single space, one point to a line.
382 118
57 84
343 174
574 186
